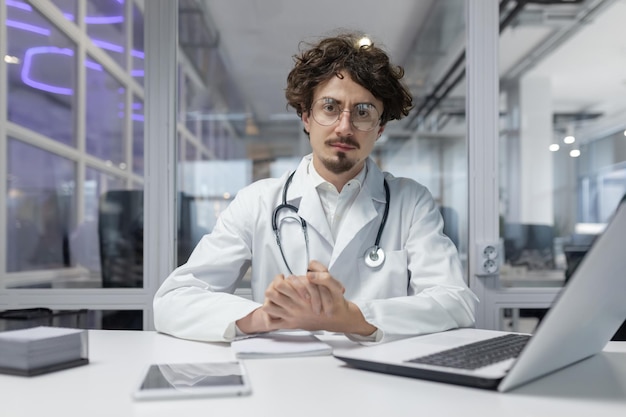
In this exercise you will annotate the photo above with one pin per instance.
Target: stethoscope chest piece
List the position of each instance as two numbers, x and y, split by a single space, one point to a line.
374 257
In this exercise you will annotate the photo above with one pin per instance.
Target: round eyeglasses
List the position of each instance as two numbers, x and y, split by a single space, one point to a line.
363 116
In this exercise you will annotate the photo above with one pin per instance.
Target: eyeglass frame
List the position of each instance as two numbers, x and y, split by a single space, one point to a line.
342 110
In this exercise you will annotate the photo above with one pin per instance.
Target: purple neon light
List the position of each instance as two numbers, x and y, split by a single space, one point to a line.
54 50
107 45
19 5
100 43
134 106
28 62
29 28
97 20
28 59
94 20
116 48
137 54
133 116
92 65
90 20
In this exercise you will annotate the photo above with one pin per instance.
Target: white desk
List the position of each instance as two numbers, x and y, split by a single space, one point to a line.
300 387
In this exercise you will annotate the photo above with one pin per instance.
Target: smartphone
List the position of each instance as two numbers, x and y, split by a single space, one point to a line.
191 380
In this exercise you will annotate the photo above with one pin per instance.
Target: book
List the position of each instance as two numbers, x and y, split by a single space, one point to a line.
42 349
280 345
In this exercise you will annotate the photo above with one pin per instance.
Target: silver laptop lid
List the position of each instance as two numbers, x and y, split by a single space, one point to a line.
585 315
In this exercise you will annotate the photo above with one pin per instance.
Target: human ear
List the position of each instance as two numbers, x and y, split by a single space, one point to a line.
306 121
381 129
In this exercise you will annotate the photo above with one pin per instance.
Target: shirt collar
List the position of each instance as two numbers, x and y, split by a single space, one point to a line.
317 179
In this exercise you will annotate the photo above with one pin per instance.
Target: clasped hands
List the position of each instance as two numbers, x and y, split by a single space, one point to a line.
314 301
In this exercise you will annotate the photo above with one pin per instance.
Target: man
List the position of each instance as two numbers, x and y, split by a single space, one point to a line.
336 245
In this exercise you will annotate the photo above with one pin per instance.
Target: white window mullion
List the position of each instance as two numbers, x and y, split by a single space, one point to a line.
80 111
42 142
482 29
3 147
128 96
160 241
92 299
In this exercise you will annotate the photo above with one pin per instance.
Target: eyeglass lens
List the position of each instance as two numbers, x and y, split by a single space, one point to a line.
364 116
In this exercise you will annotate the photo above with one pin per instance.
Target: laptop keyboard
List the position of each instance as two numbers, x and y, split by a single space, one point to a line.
478 354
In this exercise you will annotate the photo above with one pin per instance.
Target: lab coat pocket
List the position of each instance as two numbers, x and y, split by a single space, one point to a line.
391 279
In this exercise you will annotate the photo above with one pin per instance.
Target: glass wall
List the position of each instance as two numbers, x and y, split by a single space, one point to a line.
74 144
246 135
72 202
563 149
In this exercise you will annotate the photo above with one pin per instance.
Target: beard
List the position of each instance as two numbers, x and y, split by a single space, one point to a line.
340 163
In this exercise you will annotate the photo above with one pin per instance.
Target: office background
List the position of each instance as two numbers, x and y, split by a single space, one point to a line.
110 107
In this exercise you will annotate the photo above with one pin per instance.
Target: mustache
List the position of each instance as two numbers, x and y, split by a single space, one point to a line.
344 141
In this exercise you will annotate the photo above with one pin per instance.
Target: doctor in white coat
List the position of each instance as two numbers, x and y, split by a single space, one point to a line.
323 252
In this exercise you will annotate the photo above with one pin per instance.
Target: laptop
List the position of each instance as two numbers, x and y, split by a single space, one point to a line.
583 318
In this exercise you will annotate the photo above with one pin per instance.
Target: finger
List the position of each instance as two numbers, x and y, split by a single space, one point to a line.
274 311
299 286
316 298
310 292
326 280
327 301
271 292
317 266
278 293
289 288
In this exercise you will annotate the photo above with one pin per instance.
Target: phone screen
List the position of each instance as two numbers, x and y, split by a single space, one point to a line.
190 379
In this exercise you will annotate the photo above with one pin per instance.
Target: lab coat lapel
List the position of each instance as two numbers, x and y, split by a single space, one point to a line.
364 210
303 195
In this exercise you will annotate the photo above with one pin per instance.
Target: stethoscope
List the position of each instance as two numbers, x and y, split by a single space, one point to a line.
374 256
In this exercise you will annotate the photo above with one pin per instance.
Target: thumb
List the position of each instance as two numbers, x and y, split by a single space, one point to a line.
316 266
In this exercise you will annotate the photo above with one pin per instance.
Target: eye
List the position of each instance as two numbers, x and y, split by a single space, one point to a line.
364 111
330 106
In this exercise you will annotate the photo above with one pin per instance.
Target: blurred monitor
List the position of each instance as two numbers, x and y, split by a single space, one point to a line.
529 245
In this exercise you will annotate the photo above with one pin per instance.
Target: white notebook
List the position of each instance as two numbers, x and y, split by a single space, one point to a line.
281 345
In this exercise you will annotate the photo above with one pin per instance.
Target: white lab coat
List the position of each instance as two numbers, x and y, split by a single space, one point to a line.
419 288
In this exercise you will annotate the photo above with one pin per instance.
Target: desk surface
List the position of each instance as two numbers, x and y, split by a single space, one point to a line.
310 386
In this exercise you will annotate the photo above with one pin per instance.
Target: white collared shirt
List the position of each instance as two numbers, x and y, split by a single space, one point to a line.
336 204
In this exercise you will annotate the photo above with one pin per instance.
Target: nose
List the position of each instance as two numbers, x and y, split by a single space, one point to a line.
344 127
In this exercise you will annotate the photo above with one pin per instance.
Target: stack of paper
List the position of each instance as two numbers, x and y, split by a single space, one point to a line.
279 344
41 349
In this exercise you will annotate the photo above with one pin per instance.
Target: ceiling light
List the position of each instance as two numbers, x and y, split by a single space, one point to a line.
9 59
574 153
569 139
365 41
554 147
624 132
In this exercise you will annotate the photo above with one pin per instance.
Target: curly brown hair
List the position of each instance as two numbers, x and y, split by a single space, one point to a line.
367 65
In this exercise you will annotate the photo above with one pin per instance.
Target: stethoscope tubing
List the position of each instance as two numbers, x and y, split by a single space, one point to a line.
374 256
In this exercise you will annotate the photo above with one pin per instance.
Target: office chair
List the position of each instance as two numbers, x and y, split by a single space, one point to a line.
120 234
